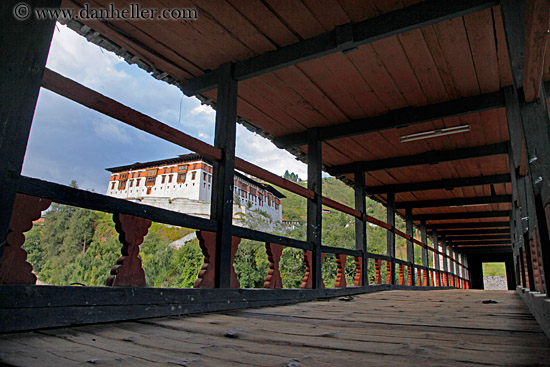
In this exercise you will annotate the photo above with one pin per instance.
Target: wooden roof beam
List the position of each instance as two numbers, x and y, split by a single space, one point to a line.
477 232
468 225
447 184
458 239
398 119
343 38
462 215
536 38
430 157
482 243
480 200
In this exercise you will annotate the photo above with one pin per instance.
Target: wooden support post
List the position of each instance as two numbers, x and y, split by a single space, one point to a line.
529 261
437 280
410 244
224 173
390 237
522 269
425 262
445 262
455 267
467 276
26 45
533 115
361 226
314 206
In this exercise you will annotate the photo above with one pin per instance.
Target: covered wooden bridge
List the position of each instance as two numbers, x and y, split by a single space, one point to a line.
437 109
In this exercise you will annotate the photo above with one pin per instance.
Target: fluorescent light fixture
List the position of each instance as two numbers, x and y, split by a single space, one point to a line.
435 133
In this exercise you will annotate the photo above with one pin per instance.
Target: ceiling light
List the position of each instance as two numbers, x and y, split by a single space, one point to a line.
435 133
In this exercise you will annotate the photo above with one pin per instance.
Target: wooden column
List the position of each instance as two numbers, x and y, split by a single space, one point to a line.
425 262
437 280
525 60
25 47
522 269
445 261
410 244
390 236
361 224
224 172
314 206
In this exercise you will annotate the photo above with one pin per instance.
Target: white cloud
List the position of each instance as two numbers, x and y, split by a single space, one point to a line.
205 110
260 151
111 130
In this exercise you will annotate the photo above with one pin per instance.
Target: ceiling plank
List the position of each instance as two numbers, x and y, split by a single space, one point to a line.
430 157
480 200
343 38
398 119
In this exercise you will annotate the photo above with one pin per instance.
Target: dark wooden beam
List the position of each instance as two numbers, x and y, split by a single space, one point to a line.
390 234
28 307
481 200
482 243
398 119
314 206
361 224
445 259
472 231
344 38
430 158
437 265
409 230
467 225
462 215
487 250
25 46
424 239
457 239
224 173
90 200
448 184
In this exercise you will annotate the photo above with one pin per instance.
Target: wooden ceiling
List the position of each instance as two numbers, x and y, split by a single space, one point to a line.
450 60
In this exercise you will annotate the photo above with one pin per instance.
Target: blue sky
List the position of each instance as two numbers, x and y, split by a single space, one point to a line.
71 142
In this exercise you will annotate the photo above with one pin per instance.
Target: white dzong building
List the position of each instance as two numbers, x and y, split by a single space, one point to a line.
184 184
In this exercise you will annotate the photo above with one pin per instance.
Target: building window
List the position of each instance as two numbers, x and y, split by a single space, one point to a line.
113 186
193 174
204 176
163 179
205 185
137 182
209 178
122 185
182 173
169 178
123 176
150 181
131 183
148 190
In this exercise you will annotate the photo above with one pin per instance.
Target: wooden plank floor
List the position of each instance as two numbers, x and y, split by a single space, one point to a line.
392 328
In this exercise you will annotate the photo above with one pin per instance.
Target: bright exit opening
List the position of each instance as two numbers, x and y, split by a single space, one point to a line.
494 276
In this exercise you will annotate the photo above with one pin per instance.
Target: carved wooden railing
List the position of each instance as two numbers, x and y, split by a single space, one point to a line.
133 219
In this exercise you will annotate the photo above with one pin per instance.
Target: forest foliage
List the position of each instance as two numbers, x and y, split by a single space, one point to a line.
76 245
